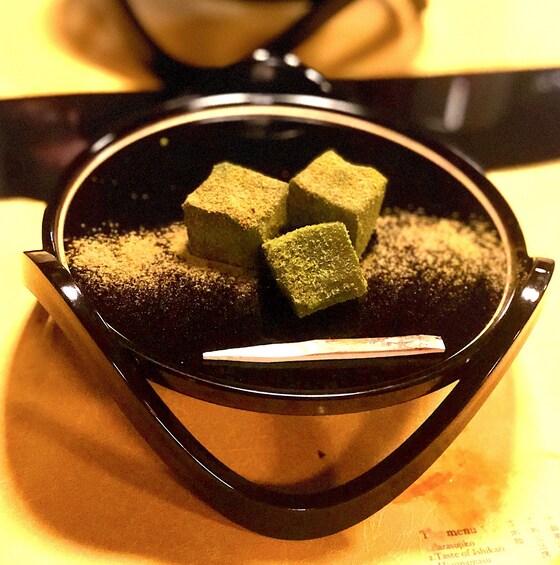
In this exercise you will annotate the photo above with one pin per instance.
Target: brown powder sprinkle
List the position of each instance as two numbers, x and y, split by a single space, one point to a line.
152 291
448 252
144 257
425 274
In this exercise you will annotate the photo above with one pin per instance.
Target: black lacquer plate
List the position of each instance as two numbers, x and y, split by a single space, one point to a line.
279 141
278 135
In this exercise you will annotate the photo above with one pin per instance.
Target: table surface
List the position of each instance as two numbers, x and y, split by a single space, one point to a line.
78 485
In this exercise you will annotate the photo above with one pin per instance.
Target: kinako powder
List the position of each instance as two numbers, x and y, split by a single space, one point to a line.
424 274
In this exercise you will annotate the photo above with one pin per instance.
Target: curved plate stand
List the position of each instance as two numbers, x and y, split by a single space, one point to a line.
261 509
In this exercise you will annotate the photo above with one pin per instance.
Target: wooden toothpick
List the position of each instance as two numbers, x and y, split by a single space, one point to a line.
330 349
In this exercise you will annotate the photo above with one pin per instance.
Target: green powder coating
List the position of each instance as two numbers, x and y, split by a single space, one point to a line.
231 214
316 267
331 189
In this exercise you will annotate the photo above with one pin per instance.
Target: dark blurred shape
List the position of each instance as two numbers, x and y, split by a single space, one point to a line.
39 137
497 119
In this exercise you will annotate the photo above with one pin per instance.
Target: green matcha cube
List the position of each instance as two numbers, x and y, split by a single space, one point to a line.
331 189
231 214
315 266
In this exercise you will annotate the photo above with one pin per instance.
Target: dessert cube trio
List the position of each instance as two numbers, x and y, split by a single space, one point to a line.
311 231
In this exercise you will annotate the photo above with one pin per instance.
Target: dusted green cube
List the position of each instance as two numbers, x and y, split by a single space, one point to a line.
316 267
231 214
331 189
